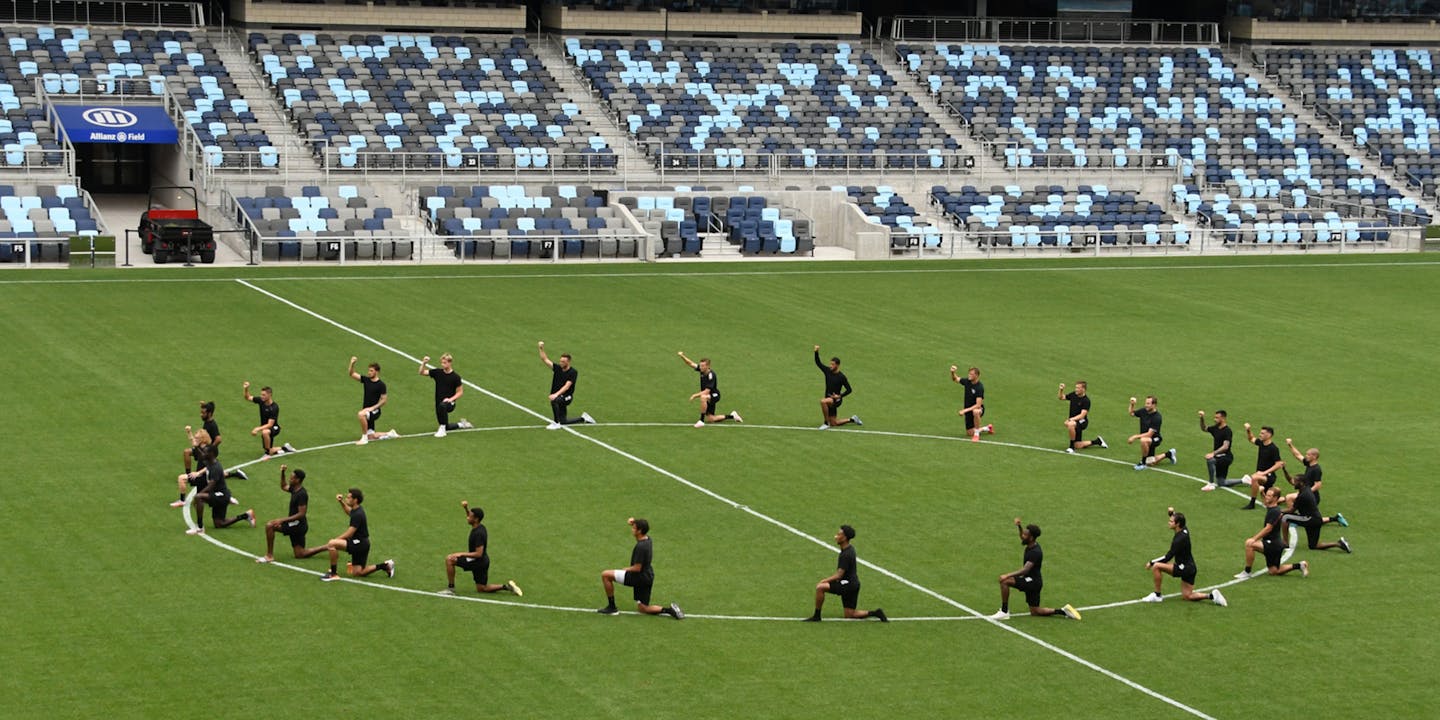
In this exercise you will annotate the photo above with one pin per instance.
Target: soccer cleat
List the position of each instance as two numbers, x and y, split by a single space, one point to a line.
1341 519
1345 545
1140 466
554 426
1208 487
1152 598
975 437
1304 568
736 417
812 618
364 439
1219 598
586 417
195 531
464 424
389 568
287 447
263 560
440 432
514 588
1070 451
329 576
856 419
1000 615
1071 612
880 613
233 501
241 474
699 423
676 612
1171 454
250 514
990 429
826 426
449 592
264 457
608 610
1101 442
392 434
1242 575
177 503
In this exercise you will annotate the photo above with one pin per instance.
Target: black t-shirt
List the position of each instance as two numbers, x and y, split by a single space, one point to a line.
1305 502
641 556
973 390
708 381
1272 520
211 429
1180 550
1269 455
559 376
846 565
1220 435
1078 403
215 473
835 382
300 497
1312 475
373 390
1034 554
357 521
268 412
1149 420
445 383
479 538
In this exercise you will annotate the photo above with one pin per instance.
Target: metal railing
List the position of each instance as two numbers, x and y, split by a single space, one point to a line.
1036 30
130 13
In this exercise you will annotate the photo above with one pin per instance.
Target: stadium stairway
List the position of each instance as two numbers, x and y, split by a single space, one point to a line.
270 116
1294 105
549 49
906 81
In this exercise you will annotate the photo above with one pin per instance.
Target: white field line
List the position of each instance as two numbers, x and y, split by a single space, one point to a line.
699 273
759 515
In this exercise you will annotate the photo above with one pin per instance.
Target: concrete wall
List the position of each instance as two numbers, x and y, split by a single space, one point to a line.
658 22
336 16
1339 32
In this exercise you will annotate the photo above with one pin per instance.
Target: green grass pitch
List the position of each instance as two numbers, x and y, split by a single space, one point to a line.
111 610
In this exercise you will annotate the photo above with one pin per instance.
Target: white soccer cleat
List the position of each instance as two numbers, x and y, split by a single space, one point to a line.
1304 569
389 568
736 417
464 424
195 531
363 440
1000 615
1152 598
287 447
699 423
554 426
447 592
1070 451
177 504
264 560
440 432
233 501
1242 575
1219 598
392 434
514 588
1208 487
586 417
826 426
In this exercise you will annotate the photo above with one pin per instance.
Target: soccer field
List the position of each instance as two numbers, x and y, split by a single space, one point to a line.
111 609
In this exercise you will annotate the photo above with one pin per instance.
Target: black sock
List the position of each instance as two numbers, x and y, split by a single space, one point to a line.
667 611
182 496
610 601
817 614
1005 606
451 586
1252 503
332 570
1247 569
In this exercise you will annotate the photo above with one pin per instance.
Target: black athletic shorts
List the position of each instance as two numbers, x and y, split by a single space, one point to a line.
371 417
1080 426
1186 573
640 585
563 400
1222 465
359 552
1268 482
713 402
479 567
274 432
1031 587
295 531
835 406
970 418
219 506
1273 552
1155 446
849 593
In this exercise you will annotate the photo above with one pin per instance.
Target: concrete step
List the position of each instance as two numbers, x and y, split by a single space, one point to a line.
269 114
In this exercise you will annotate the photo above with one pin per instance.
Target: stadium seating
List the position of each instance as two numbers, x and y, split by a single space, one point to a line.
883 206
311 222
421 101
43 218
743 106
1051 215
512 221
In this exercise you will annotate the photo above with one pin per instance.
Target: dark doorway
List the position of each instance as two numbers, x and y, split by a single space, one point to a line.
113 167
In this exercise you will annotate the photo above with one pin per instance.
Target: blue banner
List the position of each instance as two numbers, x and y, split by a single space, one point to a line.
145 124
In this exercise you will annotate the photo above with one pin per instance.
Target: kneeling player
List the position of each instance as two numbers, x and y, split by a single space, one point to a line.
1270 542
844 582
215 493
1029 580
639 576
477 559
1179 562
296 524
355 541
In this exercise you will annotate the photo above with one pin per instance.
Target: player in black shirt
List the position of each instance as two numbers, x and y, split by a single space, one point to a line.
476 560
1079 417
1267 461
1217 461
639 576
1029 580
1304 510
845 582
562 390
374 399
355 541
974 408
1270 541
709 393
214 492
1149 435
269 427
837 386
1313 476
294 525
1179 562
212 431
448 389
